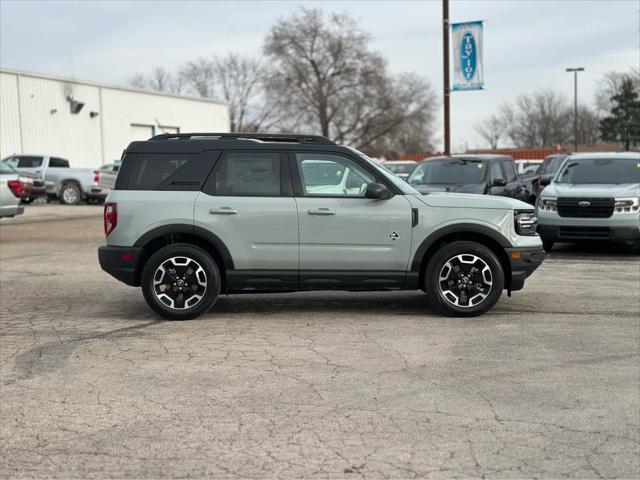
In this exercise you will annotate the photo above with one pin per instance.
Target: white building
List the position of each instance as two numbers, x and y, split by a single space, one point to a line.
91 123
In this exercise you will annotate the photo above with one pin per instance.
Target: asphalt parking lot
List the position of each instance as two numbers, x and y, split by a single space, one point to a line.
326 384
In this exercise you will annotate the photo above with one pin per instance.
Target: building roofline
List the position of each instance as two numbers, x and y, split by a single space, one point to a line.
24 73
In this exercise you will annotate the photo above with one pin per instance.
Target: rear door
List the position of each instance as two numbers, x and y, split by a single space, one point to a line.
247 203
341 230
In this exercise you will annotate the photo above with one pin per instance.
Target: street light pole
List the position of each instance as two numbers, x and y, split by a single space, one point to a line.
575 104
447 88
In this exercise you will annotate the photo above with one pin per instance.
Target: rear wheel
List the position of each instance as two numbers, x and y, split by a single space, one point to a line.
464 279
180 282
70 194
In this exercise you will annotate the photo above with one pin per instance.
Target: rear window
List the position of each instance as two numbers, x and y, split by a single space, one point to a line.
246 174
164 171
58 162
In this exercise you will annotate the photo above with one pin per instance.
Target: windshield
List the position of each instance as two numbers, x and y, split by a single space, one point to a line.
600 170
403 186
448 172
6 168
400 167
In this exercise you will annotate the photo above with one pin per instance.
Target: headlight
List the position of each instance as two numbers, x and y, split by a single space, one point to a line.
526 222
548 205
627 205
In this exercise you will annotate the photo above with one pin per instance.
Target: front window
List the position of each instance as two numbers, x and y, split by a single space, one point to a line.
4 168
600 170
334 175
23 161
448 172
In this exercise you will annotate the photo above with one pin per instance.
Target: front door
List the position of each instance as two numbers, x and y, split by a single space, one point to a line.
340 229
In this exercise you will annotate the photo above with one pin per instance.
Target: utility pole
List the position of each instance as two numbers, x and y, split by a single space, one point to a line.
575 105
447 87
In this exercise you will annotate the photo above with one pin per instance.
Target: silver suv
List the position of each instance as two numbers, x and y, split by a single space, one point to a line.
594 196
194 215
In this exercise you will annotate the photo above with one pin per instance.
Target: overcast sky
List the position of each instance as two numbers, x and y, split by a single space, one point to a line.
528 44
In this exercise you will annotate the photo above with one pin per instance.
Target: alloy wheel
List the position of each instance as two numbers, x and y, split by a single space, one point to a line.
465 280
180 282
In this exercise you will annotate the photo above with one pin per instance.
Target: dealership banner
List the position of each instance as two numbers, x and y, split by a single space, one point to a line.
468 71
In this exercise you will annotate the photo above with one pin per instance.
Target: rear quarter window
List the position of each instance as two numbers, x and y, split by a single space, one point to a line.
165 171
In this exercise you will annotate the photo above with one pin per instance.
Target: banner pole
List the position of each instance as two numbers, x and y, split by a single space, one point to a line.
447 87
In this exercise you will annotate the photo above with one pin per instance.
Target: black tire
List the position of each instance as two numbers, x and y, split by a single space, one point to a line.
70 194
163 257
444 300
547 245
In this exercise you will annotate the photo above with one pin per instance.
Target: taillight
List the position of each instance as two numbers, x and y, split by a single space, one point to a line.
110 217
96 176
16 187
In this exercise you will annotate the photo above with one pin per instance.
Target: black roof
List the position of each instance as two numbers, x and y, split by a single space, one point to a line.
197 142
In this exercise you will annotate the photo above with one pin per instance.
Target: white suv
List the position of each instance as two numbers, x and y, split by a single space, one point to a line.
193 215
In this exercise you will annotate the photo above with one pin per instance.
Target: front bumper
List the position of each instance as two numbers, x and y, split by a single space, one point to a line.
121 263
524 261
572 233
619 227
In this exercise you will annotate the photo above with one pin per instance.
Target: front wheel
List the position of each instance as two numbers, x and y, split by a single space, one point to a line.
180 282
464 279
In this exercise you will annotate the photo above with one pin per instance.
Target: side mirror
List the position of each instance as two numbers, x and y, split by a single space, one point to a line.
498 182
545 180
377 191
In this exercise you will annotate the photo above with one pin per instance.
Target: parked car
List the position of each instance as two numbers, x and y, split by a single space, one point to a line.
401 168
550 166
11 189
108 175
480 174
70 185
594 196
228 213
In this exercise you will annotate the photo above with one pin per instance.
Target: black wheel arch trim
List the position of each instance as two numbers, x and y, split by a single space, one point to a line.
434 237
188 229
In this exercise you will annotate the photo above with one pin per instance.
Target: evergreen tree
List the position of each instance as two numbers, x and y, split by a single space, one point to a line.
623 122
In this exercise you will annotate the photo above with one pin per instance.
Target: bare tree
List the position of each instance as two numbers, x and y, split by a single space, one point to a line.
241 82
491 129
335 85
158 79
199 77
538 120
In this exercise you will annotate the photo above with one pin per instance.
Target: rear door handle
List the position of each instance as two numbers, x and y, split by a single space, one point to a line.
223 211
322 211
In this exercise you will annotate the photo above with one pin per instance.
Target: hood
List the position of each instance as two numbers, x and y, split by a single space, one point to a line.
462 188
468 200
592 190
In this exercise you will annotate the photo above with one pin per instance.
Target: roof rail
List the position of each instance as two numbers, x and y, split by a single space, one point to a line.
258 137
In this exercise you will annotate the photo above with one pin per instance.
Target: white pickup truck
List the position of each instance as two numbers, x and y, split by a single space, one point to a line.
70 185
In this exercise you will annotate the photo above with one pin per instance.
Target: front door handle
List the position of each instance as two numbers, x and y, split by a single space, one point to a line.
223 211
322 211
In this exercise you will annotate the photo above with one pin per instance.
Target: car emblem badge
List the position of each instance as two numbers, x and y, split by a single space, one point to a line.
394 236
584 203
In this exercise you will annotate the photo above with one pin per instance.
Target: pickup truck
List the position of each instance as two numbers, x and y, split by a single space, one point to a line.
70 185
480 174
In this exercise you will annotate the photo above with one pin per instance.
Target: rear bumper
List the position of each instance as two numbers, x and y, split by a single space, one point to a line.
524 261
557 233
11 210
121 263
